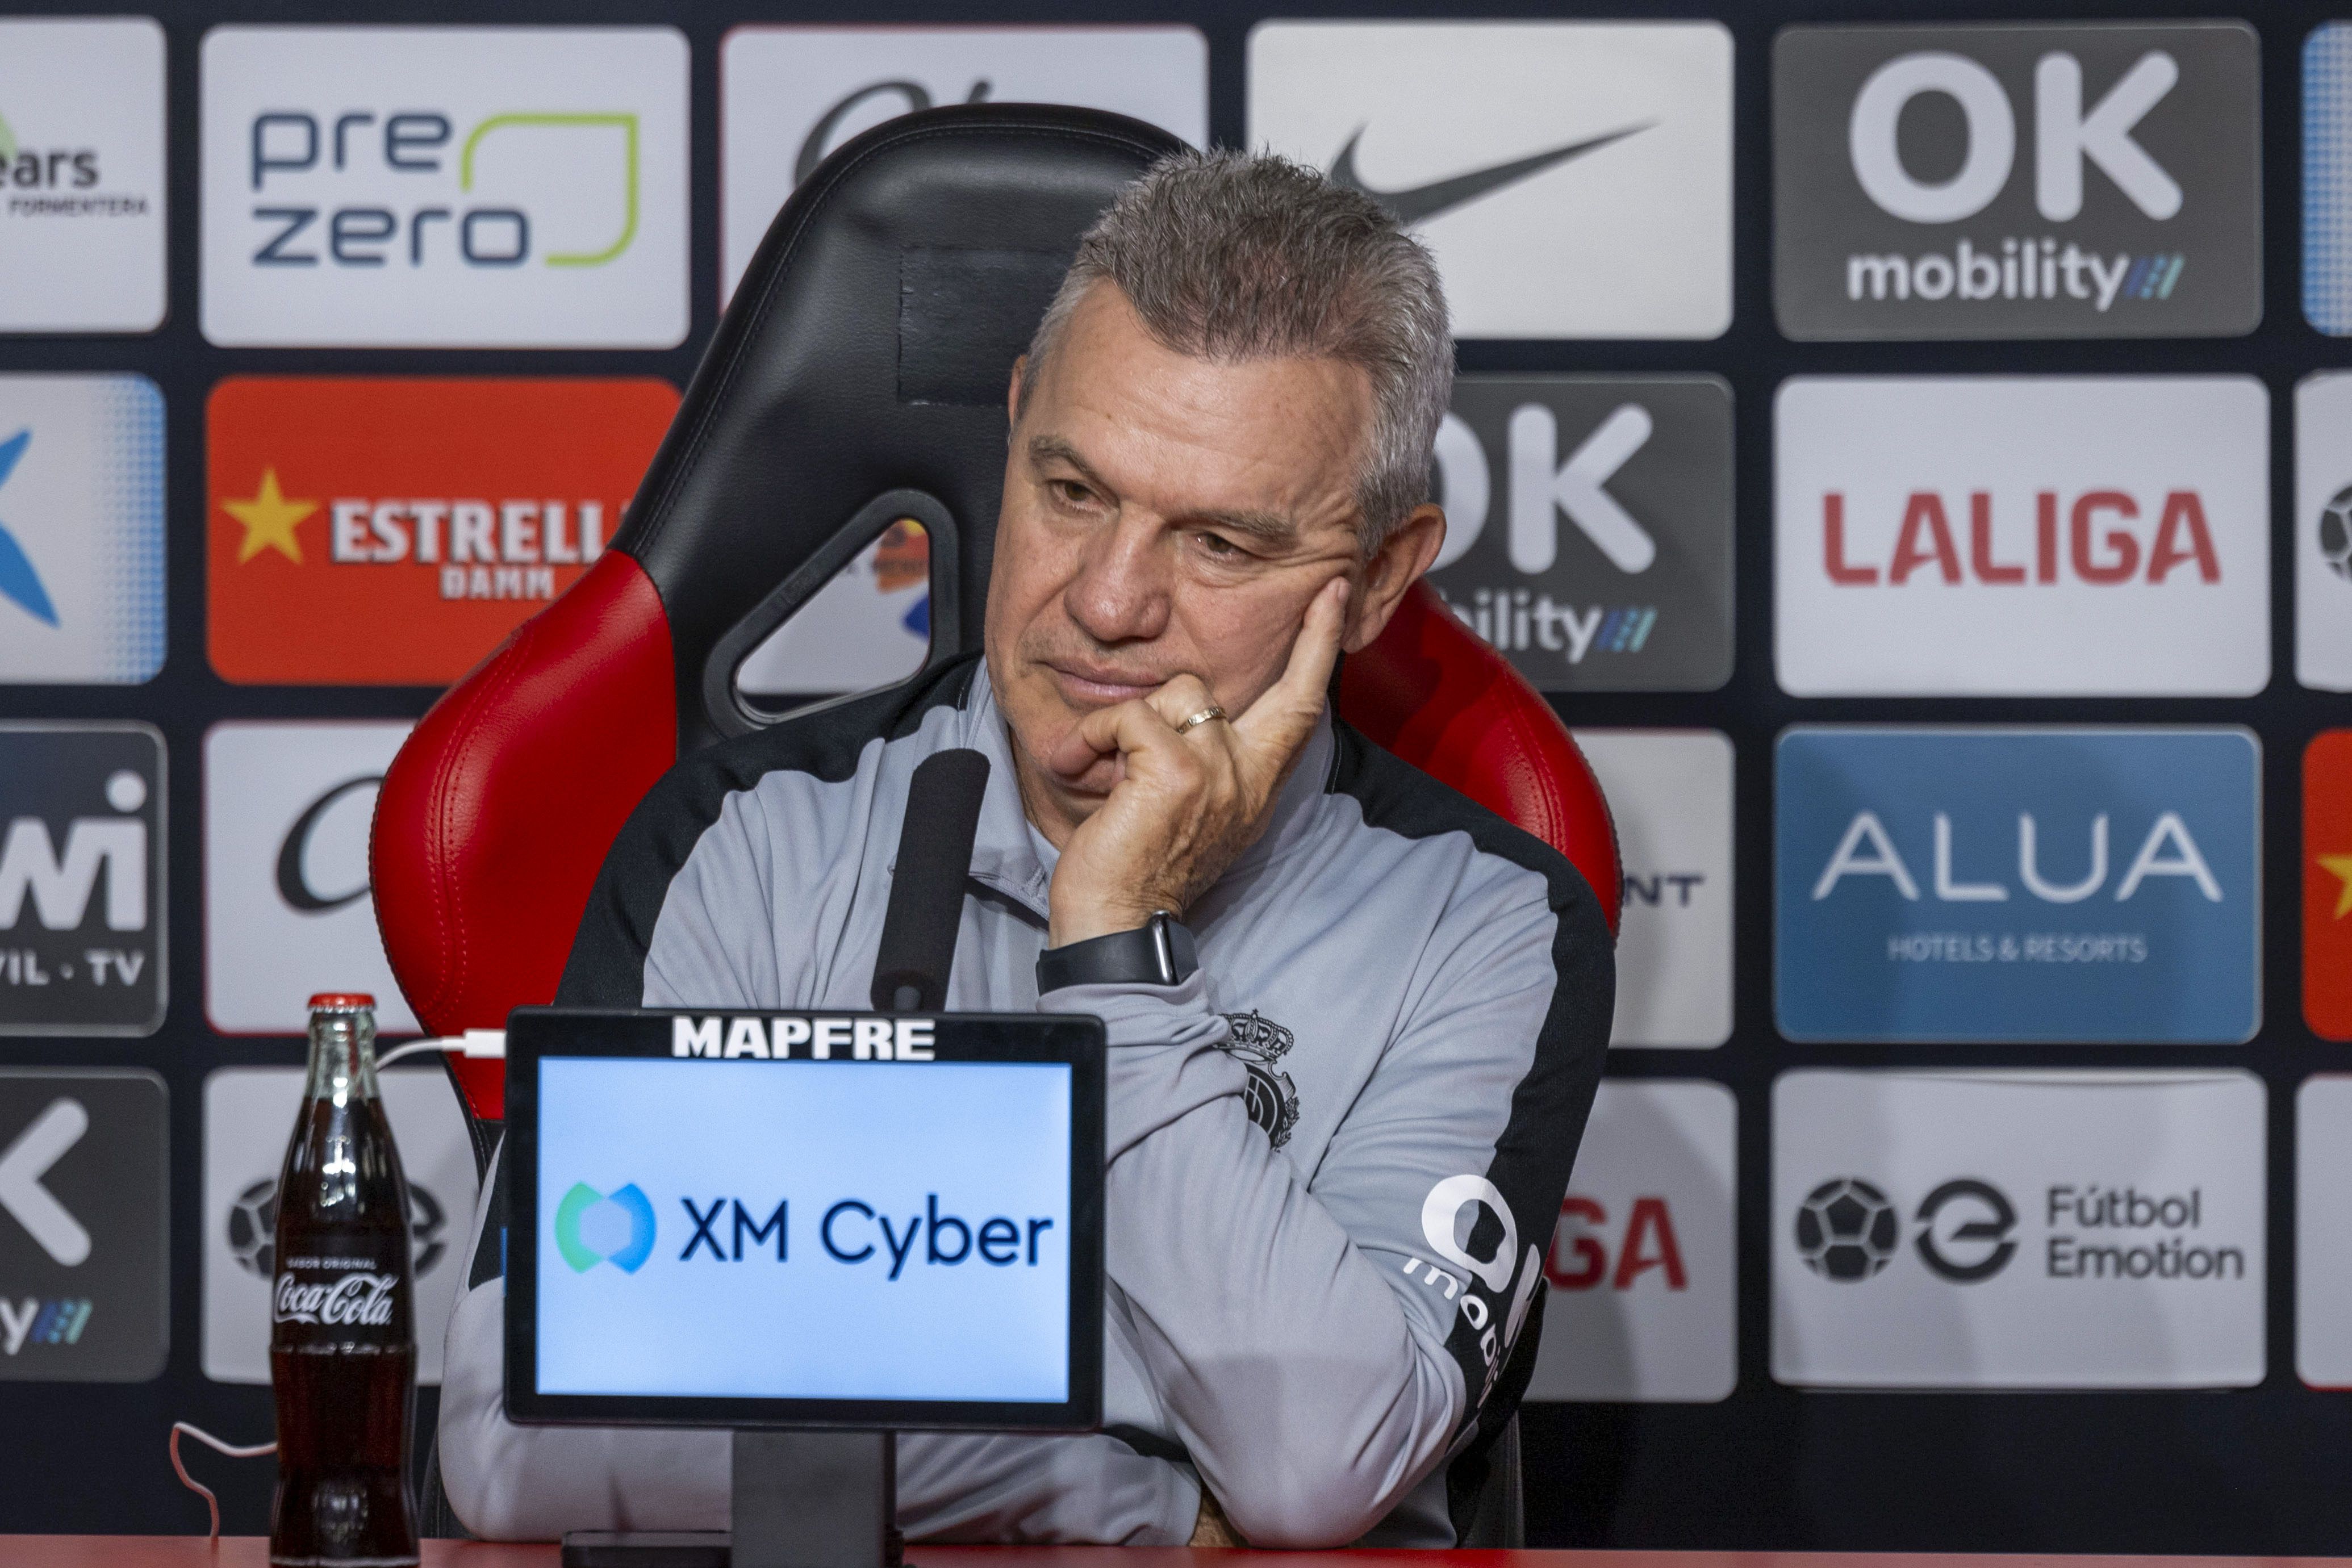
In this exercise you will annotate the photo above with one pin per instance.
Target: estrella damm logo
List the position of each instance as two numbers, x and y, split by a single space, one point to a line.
615 1227
383 186
390 530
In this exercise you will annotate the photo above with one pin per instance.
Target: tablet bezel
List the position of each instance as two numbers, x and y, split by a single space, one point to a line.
534 1034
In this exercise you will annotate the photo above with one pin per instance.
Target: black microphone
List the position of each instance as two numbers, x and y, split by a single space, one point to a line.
918 928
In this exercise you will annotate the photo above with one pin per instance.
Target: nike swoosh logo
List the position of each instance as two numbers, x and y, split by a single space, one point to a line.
1418 203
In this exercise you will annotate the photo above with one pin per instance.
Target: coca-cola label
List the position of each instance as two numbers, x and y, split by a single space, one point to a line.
354 1298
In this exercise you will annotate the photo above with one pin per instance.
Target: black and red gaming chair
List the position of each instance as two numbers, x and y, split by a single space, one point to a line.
857 377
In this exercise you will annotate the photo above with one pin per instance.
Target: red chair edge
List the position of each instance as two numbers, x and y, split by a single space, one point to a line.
479 886
1436 696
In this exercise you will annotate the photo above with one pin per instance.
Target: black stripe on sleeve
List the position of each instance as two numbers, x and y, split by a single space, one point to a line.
1537 1148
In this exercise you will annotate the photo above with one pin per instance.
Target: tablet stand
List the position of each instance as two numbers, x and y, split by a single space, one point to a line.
802 1499
815 1499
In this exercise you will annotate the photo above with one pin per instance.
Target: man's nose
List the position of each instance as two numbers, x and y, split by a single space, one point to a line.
1120 593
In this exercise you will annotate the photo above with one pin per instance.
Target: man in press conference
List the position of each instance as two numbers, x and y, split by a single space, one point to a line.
1356 1020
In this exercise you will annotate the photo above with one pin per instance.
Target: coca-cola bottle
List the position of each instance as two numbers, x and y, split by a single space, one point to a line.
343 1327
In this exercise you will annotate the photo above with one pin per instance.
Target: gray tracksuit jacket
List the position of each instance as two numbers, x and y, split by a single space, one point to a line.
1337 1151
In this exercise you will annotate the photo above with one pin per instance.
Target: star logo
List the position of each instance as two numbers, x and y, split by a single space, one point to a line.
270 521
2341 868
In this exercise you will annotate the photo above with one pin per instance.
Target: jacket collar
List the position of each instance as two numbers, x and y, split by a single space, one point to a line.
1011 857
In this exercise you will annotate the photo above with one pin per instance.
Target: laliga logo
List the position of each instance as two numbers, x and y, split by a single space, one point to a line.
592 1228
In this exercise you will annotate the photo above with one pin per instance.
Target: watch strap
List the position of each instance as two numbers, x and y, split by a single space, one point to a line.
1160 952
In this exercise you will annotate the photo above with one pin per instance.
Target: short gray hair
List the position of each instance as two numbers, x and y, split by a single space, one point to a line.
1233 255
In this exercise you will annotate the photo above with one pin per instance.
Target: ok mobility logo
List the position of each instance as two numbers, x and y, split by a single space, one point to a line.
2017 182
1589 528
592 1228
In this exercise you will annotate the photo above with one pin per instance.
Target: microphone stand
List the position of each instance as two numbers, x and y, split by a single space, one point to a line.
830 1499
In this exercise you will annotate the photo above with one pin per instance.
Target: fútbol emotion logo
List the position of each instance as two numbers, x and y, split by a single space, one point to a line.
2017 1229
2017 182
454 186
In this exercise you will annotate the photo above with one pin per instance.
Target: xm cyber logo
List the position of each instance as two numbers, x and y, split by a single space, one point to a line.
81 879
392 176
2017 182
1847 1229
1466 1223
1589 528
615 1227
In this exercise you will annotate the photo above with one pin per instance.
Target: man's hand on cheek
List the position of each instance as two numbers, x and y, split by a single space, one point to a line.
1184 806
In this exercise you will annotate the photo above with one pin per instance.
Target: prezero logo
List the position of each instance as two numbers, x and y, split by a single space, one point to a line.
592 1228
789 95
2034 536
404 194
1589 528
1578 184
2016 182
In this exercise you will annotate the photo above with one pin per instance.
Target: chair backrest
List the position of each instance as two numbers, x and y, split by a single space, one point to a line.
857 377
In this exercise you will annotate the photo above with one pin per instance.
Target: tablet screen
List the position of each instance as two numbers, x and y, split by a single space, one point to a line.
802 1230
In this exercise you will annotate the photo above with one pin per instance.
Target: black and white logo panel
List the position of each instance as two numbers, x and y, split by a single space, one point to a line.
1589 528
788 96
81 879
2017 182
84 1289
287 805
1573 179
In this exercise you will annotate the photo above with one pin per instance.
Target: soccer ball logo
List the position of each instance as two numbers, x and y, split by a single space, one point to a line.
253 1228
1847 1229
2335 533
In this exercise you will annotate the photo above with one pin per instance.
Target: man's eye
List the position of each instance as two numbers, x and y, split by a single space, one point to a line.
1070 493
1221 547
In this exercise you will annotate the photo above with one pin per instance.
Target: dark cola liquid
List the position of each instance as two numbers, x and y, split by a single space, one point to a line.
343 1338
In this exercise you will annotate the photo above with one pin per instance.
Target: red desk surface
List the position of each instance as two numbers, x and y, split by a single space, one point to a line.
253 1552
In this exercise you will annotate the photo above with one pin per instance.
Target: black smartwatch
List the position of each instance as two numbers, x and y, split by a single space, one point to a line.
1160 952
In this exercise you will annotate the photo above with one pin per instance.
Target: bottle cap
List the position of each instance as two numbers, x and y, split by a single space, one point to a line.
341 1001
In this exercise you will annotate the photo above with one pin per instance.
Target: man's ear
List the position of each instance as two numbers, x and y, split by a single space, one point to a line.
1396 566
1013 395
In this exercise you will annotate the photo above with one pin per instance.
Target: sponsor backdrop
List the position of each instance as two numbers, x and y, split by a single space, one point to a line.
1911 444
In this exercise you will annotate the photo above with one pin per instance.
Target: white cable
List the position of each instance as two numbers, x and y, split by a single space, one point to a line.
411 1049
232 1450
474 1044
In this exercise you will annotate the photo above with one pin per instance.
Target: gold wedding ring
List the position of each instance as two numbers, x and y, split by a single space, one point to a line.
1203 716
